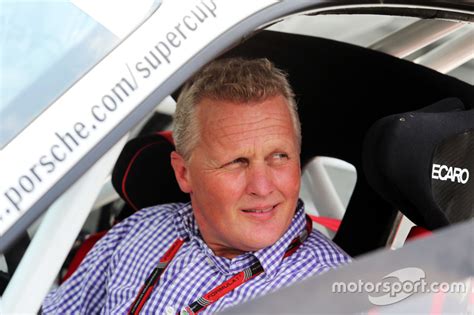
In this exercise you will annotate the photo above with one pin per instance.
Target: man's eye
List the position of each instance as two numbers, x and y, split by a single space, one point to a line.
280 156
239 162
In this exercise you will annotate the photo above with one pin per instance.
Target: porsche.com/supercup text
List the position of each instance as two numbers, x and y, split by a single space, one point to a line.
66 141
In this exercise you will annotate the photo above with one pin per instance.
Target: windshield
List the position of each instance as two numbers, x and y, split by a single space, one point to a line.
49 45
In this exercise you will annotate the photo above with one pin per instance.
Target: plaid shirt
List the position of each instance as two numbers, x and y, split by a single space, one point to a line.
109 278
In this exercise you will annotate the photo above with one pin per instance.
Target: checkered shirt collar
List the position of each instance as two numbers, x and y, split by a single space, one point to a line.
270 257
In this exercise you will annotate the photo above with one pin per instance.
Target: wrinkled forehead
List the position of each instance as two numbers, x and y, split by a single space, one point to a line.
221 113
232 121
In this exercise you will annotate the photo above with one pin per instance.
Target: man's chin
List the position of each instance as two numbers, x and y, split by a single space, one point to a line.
261 242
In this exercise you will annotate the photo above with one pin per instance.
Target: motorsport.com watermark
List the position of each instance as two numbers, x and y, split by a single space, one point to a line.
399 285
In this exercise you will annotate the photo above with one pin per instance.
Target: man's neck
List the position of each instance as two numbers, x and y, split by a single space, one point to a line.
223 251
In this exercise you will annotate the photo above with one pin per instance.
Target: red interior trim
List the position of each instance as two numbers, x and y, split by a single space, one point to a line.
329 223
82 252
417 232
168 135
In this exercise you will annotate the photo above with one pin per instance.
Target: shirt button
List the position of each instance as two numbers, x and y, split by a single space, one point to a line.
170 310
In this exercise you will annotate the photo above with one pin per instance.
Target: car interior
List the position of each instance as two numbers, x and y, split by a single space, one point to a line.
392 121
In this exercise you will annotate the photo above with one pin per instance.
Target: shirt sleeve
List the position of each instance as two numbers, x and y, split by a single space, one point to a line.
85 291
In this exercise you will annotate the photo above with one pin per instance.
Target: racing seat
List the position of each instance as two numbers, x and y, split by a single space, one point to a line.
422 163
143 177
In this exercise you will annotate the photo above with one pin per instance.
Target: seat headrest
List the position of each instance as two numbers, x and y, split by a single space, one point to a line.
422 161
143 175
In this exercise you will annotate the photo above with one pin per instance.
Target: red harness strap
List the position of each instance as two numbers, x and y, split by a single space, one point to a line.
152 280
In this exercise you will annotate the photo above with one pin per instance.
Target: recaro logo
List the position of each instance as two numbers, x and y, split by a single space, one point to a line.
454 174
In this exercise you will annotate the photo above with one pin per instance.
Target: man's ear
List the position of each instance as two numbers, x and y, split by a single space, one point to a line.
181 172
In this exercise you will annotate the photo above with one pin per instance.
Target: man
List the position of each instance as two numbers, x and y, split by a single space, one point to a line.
244 234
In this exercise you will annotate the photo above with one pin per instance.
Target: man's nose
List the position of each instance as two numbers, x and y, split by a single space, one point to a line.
259 180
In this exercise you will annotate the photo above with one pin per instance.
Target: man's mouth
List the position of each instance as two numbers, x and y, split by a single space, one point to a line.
260 209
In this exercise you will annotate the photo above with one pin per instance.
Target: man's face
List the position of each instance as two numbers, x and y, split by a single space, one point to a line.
243 175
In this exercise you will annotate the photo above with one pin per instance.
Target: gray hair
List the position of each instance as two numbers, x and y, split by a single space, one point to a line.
233 79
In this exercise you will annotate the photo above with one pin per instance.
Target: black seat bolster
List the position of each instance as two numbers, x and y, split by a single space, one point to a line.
403 152
143 175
